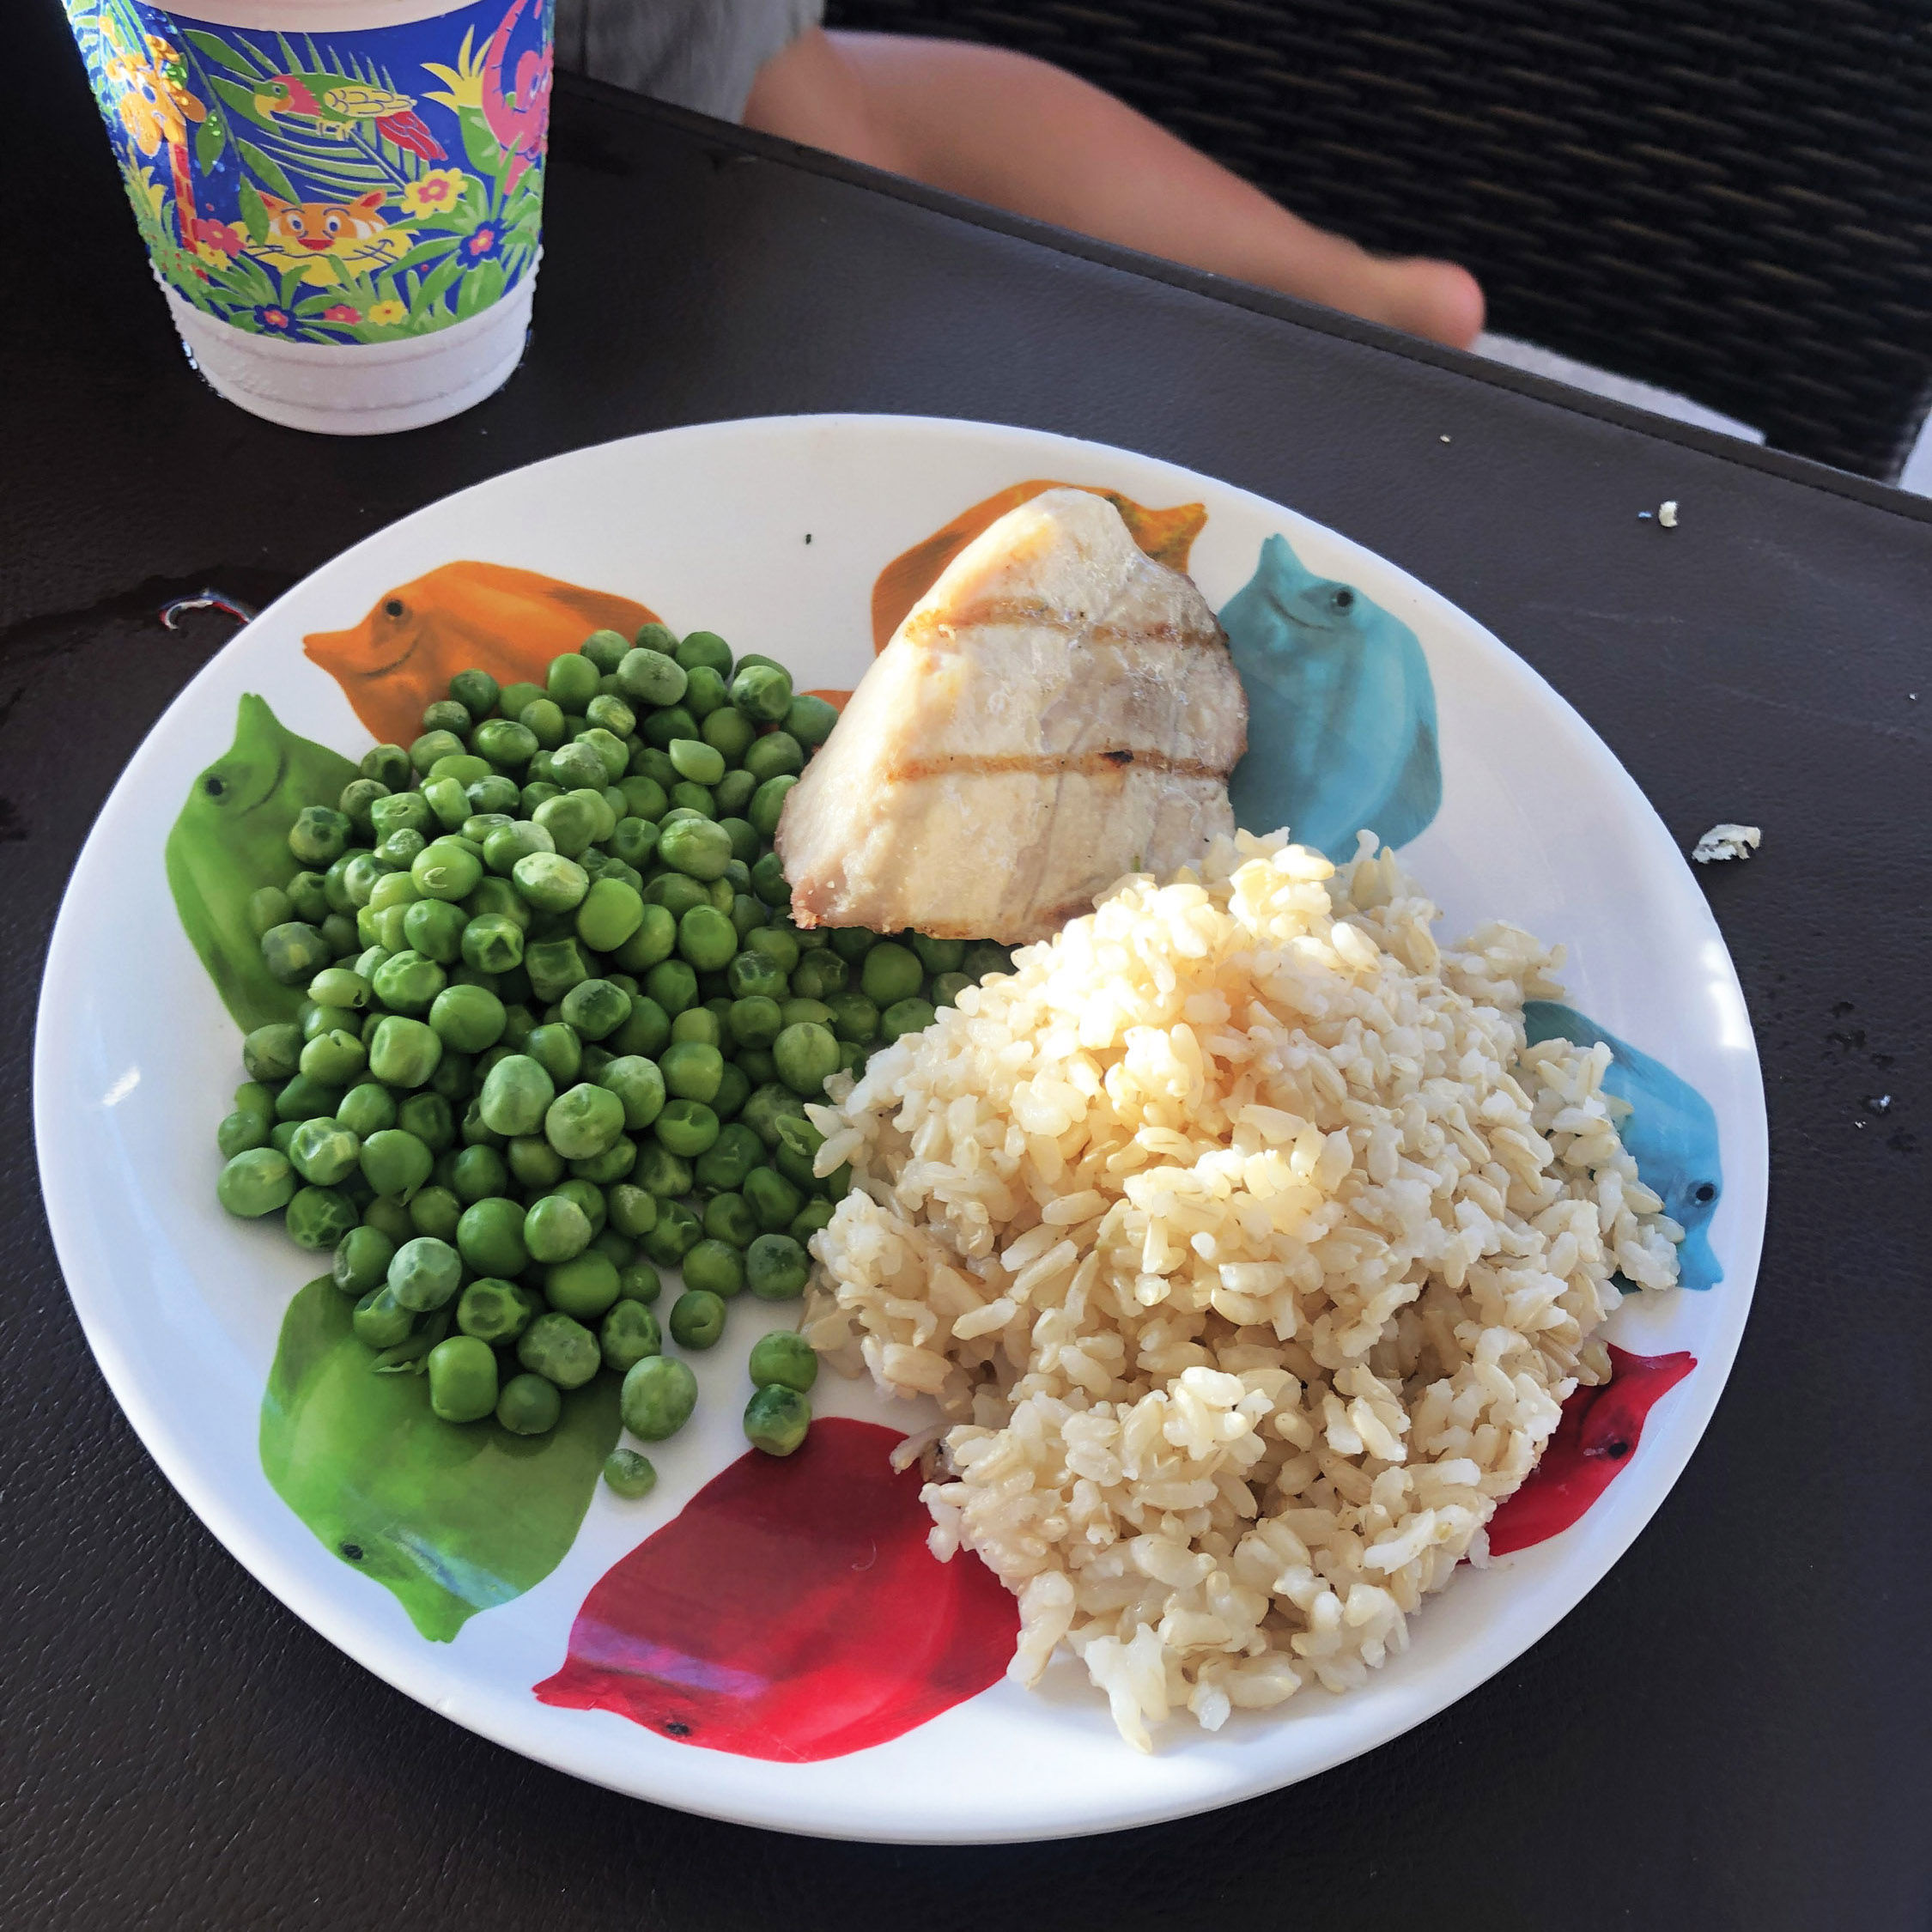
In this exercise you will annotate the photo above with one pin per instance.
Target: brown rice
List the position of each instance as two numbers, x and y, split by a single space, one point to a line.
1249 1253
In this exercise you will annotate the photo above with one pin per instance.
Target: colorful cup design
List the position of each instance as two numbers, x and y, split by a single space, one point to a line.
339 190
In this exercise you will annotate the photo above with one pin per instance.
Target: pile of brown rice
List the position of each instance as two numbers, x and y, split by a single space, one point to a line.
1250 1254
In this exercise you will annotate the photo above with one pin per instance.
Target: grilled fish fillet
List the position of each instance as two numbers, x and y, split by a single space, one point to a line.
1057 710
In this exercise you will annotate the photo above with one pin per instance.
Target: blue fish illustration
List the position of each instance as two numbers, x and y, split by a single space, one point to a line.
1672 1133
1341 714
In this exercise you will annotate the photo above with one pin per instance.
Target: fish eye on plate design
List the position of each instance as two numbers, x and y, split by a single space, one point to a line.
636 1038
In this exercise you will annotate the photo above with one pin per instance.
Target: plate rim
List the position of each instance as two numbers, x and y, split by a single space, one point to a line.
430 1680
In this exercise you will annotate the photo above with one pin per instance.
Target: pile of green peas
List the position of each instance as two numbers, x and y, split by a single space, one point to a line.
559 1033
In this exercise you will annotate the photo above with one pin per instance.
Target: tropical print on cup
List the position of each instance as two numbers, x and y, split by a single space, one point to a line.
339 188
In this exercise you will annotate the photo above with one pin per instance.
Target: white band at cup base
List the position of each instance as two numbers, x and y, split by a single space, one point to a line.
364 389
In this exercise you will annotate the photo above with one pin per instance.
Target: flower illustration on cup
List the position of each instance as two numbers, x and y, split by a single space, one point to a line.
386 314
434 191
277 321
342 312
219 242
482 241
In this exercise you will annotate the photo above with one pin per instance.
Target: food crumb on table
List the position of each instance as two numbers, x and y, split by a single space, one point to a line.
1726 841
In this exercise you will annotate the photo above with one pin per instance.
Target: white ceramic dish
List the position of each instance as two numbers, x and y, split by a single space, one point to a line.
772 532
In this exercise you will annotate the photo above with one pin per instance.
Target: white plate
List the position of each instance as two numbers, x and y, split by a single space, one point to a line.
772 532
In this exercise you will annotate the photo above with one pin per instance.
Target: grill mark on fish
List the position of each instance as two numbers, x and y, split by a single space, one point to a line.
934 632
1047 764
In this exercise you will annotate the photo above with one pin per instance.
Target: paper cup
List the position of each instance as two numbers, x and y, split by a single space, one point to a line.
342 199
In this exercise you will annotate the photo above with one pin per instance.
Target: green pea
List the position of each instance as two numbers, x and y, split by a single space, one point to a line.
448 801
435 1214
429 1117
728 1218
662 726
404 1053
576 767
395 1163
729 732
672 984
655 938
767 1105
555 1229
240 1132
446 868
816 1214
492 943
319 1217
777 1419
820 975
639 1086
777 755
762 691
334 1057
889 972
553 966
496 1310
903 1017
557 1046
777 1269
304 1097
462 1379
433 928
707 938
534 1164
809 720
783 1360
595 1009
516 1094
559 1349
767 804
271 1051
408 982
715 1266
854 1018
573 680
489 1236
424 1273
724 1165
269 906
686 1128
702 763
529 1406
753 974
946 988
678 1232
467 1018
705 648
320 835
659 1394
632 1209
549 881
697 1319
805 1054
661 1173
362 1260
584 1122
773 1200
257 1181
699 847
650 676
336 985
692 1070
638 1283
388 1217
611 912
610 753
380 1320
477 1174
629 1474
323 1152
294 952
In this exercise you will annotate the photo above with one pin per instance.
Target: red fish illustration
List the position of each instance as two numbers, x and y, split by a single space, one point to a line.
792 1611
1598 1435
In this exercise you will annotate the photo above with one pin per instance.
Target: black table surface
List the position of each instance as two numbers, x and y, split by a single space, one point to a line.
1734 1729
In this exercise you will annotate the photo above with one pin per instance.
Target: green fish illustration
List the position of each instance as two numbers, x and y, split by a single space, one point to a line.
232 838
452 1520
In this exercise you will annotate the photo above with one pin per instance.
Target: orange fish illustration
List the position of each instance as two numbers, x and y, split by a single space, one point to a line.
1166 535
488 616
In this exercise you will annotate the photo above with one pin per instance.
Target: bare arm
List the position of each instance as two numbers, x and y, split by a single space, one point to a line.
1023 136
